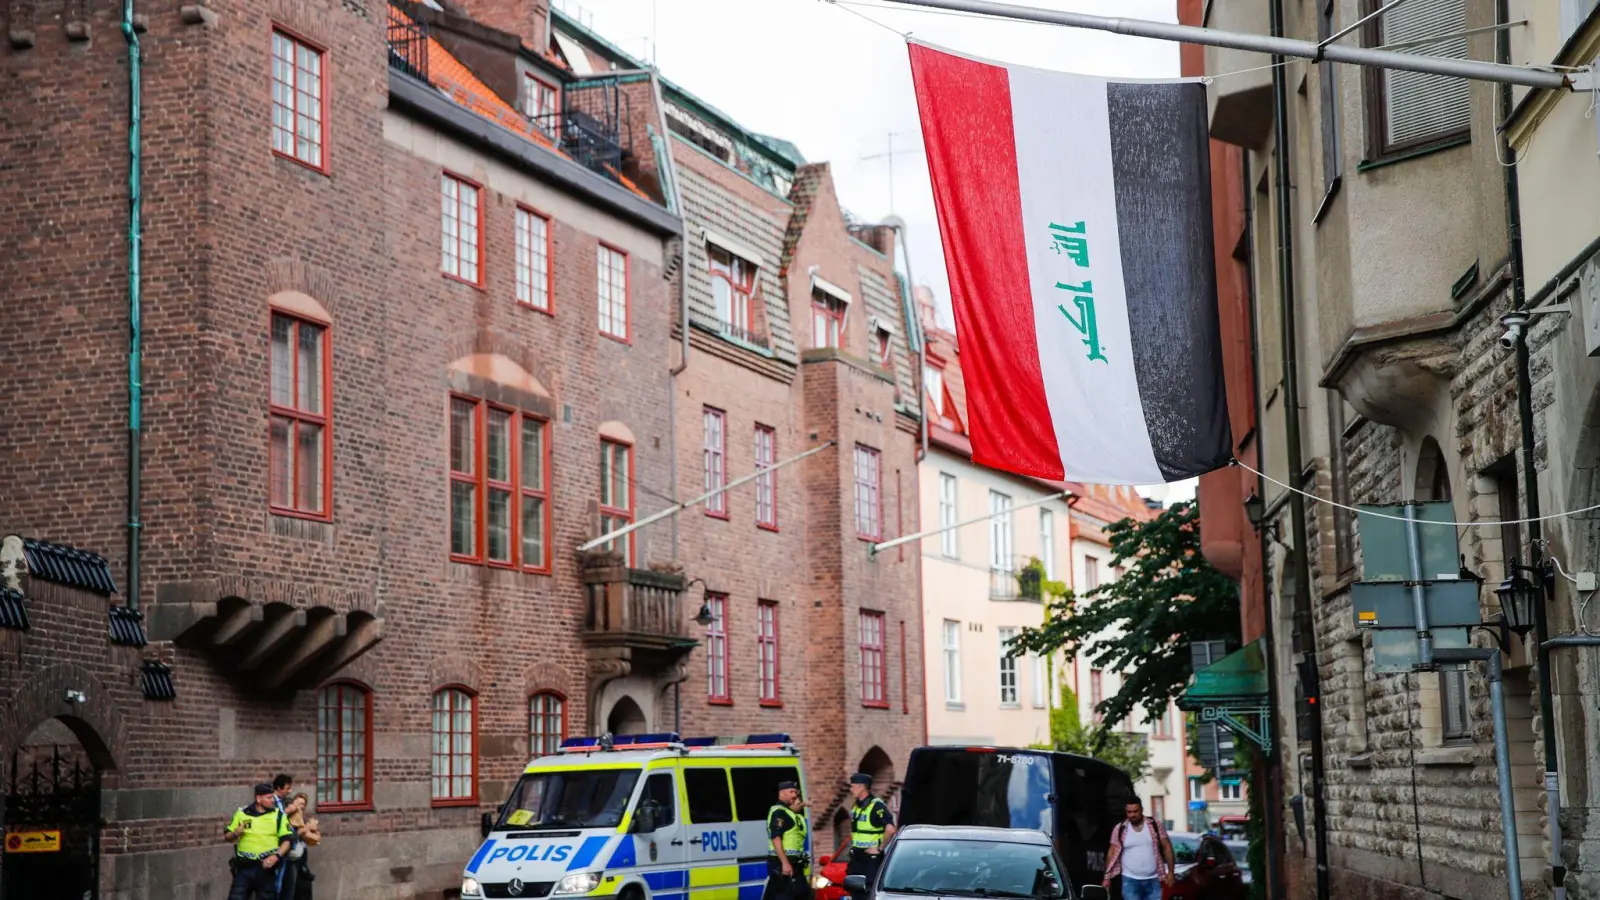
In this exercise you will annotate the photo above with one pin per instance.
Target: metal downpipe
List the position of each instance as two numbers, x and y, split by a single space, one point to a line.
135 303
1291 401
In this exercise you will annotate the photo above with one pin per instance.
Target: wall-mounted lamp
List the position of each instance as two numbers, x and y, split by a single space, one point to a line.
1255 509
1518 594
703 618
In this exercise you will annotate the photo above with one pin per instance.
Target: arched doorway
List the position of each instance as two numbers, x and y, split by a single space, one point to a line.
626 718
51 817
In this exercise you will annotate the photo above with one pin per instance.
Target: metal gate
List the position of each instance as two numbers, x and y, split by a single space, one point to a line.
52 826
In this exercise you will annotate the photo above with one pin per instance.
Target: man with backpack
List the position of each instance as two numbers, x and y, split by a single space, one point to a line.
261 836
1141 854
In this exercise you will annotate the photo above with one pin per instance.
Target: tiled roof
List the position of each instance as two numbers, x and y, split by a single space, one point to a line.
803 193
65 565
883 301
708 205
127 626
467 90
13 613
156 680
456 81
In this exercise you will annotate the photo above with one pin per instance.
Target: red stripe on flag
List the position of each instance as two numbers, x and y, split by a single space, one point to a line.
972 157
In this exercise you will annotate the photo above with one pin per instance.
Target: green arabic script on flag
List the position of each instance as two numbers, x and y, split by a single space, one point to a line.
1074 242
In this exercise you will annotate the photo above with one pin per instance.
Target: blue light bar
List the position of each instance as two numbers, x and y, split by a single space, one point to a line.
580 742
621 740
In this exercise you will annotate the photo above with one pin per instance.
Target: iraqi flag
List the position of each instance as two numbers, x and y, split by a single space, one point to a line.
1076 215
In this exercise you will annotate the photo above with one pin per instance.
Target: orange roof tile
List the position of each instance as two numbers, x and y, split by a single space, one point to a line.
468 91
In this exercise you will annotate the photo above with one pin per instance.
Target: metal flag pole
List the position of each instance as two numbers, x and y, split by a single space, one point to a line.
1191 34
875 549
676 508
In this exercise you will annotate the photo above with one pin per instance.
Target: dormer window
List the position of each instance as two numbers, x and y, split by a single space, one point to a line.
541 103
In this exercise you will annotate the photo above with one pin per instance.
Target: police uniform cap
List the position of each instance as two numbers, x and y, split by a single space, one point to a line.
788 786
861 778
263 788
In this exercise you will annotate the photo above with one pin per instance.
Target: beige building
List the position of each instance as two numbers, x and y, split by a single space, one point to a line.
974 599
1401 267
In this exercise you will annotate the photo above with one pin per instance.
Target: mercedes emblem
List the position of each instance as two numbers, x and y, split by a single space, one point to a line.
514 887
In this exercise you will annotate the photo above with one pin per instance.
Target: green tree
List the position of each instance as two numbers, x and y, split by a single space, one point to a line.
1069 735
1168 595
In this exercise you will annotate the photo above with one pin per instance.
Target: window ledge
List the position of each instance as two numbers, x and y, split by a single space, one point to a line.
875 704
765 527
720 701
1360 761
459 801
772 704
1011 706
1367 165
955 705
332 808
1448 756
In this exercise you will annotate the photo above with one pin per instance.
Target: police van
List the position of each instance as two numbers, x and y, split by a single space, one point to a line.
637 817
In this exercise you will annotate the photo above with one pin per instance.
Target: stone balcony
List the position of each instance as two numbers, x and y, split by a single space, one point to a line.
639 610
1240 105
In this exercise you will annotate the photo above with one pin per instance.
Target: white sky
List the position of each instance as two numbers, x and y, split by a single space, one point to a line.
814 73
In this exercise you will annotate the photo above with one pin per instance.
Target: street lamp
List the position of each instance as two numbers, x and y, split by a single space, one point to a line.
1518 595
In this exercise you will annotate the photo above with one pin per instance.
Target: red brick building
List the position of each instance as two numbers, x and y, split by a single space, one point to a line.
410 314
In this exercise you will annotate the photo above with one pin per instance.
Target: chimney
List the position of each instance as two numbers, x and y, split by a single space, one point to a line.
529 20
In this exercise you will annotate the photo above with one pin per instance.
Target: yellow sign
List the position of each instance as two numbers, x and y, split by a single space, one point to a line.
520 817
33 842
1367 615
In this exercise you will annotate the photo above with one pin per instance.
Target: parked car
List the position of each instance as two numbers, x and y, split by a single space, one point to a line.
959 861
1206 869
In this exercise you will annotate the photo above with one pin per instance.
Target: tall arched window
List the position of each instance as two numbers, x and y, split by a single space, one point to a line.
455 747
547 722
344 747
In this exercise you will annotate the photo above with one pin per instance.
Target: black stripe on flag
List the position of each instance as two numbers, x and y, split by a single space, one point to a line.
1161 168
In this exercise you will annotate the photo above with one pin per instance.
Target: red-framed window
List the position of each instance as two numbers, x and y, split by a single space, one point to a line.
461 223
767 652
767 481
344 747
884 345
547 723
733 282
541 102
871 640
612 290
716 460
499 486
1097 692
299 100
827 320
616 494
717 650
533 254
300 432
869 493
455 747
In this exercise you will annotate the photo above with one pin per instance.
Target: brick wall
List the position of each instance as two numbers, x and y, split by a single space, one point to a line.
228 225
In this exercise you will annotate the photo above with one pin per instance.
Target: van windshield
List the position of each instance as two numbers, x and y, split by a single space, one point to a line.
966 868
589 798
978 787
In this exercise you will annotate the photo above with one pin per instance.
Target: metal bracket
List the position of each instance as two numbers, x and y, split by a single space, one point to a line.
1228 715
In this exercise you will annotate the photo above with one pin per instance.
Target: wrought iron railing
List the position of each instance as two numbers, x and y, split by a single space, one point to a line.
408 44
1020 578
591 126
743 335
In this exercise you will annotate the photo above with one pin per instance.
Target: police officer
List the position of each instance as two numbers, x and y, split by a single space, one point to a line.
260 834
786 858
870 828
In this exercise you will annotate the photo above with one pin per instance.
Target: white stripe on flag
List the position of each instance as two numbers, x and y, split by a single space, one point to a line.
1062 132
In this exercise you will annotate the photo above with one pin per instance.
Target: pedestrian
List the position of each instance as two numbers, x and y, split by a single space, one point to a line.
288 876
1141 854
787 858
260 834
310 835
870 829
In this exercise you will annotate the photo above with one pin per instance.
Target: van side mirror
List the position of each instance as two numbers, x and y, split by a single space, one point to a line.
855 885
487 824
1093 892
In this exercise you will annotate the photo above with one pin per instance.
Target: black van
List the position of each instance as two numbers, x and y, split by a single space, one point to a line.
1074 799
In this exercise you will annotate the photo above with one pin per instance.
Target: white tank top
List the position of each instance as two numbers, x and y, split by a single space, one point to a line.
1139 852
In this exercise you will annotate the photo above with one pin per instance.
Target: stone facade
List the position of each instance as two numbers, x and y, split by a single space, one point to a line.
254 609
